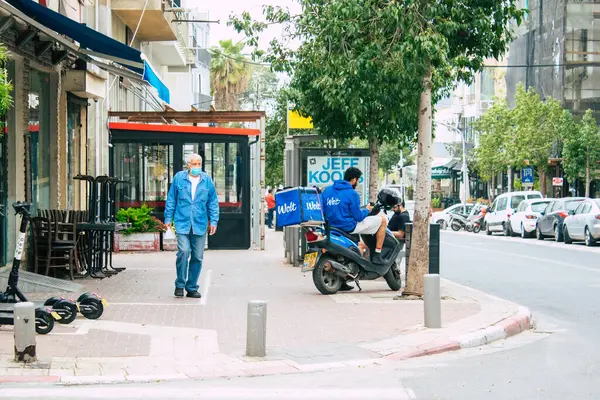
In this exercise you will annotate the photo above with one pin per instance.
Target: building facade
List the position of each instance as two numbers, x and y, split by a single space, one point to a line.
70 62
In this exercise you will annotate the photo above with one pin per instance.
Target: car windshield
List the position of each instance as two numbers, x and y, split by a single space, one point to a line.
539 207
534 196
516 200
572 205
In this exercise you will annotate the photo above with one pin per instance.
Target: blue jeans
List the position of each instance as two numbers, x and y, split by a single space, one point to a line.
190 251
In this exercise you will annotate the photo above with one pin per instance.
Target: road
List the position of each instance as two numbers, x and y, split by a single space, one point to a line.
560 360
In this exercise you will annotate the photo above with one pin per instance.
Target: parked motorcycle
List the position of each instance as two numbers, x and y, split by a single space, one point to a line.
334 257
458 221
475 220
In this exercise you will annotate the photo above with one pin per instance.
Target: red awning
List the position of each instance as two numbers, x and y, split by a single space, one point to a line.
200 130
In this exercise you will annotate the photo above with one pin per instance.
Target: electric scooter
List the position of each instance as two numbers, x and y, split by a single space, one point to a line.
335 258
56 308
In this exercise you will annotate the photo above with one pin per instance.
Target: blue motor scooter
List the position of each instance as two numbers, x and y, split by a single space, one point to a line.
335 258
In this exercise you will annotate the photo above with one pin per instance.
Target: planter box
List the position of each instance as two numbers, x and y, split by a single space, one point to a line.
437 209
137 242
169 244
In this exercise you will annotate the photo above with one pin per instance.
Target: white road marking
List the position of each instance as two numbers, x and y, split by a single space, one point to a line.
182 303
213 393
205 287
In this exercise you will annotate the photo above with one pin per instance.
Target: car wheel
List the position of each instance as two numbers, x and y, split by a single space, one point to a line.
487 230
539 234
558 236
506 228
524 234
566 236
589 240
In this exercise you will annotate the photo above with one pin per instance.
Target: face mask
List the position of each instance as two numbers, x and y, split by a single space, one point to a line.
195 171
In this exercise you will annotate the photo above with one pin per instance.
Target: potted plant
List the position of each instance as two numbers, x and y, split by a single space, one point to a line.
144 233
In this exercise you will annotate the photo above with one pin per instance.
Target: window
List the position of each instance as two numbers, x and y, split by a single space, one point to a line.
487 84
224 165
516 200
534 196
39 140
522 206
127 166
580 209
538 207
502 204
597 201
494 205
572 205
158 171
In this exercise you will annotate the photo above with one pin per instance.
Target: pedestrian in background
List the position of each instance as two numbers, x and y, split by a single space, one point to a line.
270 199
193 207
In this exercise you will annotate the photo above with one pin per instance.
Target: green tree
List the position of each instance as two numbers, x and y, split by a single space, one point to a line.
263 89
5 86
581 150
374 69
230 74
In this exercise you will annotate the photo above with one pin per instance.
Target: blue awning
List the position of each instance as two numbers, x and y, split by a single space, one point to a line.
93 40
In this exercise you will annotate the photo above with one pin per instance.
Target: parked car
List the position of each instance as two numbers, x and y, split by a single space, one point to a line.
526 218
443 217
583 223
551 221
496 219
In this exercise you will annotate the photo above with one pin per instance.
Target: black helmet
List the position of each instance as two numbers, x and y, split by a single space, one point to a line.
389 197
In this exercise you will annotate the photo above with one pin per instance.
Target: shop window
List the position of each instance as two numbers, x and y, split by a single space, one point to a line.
224 164
127 166
39 140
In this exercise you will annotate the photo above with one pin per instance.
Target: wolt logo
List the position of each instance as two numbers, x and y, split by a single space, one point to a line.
287 208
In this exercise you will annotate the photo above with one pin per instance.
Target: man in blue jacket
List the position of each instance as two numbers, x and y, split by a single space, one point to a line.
193 206
341 204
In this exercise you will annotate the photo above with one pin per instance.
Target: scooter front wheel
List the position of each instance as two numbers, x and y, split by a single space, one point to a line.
44 322
455 226
325 279
393 278
476 229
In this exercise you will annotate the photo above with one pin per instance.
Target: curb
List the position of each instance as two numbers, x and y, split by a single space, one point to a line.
519 322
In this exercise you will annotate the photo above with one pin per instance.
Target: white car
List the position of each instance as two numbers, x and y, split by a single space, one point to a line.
443 217
496 218
583 223
527 215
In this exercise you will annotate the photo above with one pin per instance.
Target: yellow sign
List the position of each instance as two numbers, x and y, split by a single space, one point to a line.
296 121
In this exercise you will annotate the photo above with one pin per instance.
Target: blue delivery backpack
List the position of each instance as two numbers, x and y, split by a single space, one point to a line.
298 206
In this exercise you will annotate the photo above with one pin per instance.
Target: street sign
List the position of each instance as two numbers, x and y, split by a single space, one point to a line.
557 181
527 175
322 171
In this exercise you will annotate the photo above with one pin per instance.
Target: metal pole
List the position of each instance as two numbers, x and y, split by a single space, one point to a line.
464 168
256 334
24 332
262 183
432 300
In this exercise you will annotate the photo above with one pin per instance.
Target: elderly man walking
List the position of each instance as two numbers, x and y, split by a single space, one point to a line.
193 207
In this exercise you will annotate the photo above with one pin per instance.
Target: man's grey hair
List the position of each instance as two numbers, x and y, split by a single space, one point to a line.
193 156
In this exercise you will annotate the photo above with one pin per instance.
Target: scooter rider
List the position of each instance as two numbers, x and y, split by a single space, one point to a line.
341 206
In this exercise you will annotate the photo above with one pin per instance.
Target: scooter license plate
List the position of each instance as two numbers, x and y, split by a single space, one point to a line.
310 259
104 302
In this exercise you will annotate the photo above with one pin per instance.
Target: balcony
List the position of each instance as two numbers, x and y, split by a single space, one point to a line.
203 57
156 26
202 101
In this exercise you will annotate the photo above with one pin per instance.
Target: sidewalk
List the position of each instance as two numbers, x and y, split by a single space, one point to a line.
146 334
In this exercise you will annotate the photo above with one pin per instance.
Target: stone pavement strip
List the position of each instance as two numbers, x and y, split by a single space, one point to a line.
148 335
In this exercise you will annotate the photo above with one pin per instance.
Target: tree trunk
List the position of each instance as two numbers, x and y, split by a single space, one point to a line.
587 175
543 182
511 176
373 168
419 251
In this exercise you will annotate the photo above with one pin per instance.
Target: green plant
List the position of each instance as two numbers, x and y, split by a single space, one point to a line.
140 219
436 202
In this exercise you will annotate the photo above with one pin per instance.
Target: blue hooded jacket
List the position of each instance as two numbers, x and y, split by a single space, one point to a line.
341 205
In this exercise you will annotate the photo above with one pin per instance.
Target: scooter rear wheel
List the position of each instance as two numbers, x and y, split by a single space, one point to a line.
455 226
326 282
95 310
476 229
66 305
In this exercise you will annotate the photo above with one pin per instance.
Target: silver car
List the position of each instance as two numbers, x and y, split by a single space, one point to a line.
583 223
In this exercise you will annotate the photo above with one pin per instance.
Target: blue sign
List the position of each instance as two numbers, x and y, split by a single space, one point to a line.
527 175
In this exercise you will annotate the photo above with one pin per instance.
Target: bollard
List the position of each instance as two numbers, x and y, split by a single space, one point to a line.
24 332
432 300
256 334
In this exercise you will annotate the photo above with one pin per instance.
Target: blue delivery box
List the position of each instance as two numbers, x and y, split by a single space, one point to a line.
298 206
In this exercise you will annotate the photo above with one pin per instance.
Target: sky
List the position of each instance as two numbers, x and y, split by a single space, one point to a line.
222 10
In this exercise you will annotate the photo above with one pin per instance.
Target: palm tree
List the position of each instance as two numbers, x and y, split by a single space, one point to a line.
230 75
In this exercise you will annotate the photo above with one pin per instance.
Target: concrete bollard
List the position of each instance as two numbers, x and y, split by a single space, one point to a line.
433 301
25 332
256 334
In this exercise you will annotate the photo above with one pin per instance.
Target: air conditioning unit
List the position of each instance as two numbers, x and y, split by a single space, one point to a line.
485 105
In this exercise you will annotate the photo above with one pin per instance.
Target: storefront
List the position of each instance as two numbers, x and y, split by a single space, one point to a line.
147 156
